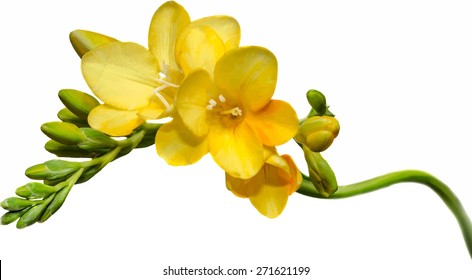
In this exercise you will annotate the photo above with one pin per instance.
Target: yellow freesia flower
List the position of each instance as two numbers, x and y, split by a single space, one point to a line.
229 113
270 188
137 84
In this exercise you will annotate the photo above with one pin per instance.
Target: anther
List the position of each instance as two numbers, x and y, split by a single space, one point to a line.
236 111
212 103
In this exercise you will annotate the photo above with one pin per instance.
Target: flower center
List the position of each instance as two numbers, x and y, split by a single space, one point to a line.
223 111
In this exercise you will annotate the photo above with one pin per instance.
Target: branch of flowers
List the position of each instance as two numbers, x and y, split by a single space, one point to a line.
413 176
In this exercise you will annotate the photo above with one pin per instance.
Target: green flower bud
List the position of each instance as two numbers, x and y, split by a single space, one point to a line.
10 217
32 215
55 204
35 190
318 133
66 115
317 101
16 204
321 174
63 132
83 41
97 141
62 150
78 102
52 169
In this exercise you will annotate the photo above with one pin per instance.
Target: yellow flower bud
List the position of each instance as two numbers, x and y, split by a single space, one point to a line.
318 132
83 41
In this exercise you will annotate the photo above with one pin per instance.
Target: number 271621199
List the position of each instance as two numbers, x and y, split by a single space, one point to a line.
282 270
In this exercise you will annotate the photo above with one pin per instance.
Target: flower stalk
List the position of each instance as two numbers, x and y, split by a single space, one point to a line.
412 176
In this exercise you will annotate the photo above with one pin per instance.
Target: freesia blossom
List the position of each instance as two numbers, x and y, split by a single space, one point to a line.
229 113
270 188
138 84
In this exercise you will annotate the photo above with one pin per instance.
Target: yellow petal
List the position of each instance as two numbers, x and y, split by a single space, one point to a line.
198 47
236 149
152 112
275 124
112 121
274 186
270 200
156 108
166 25
270 188
279 162
83 41
123 75
178 146
192 99
239 187
247 74
226 27
294 177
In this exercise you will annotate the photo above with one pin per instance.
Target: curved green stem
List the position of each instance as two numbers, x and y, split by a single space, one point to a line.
415 176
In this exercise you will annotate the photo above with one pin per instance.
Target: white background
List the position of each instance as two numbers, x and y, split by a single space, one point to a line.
396 73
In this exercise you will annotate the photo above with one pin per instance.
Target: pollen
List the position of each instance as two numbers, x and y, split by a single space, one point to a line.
212 103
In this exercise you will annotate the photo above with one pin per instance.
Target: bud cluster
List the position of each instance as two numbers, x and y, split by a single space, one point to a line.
315 134
72 137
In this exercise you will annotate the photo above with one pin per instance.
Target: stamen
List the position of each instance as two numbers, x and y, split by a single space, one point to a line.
236 111
164 84
212 103
222 98
167 83
161 98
